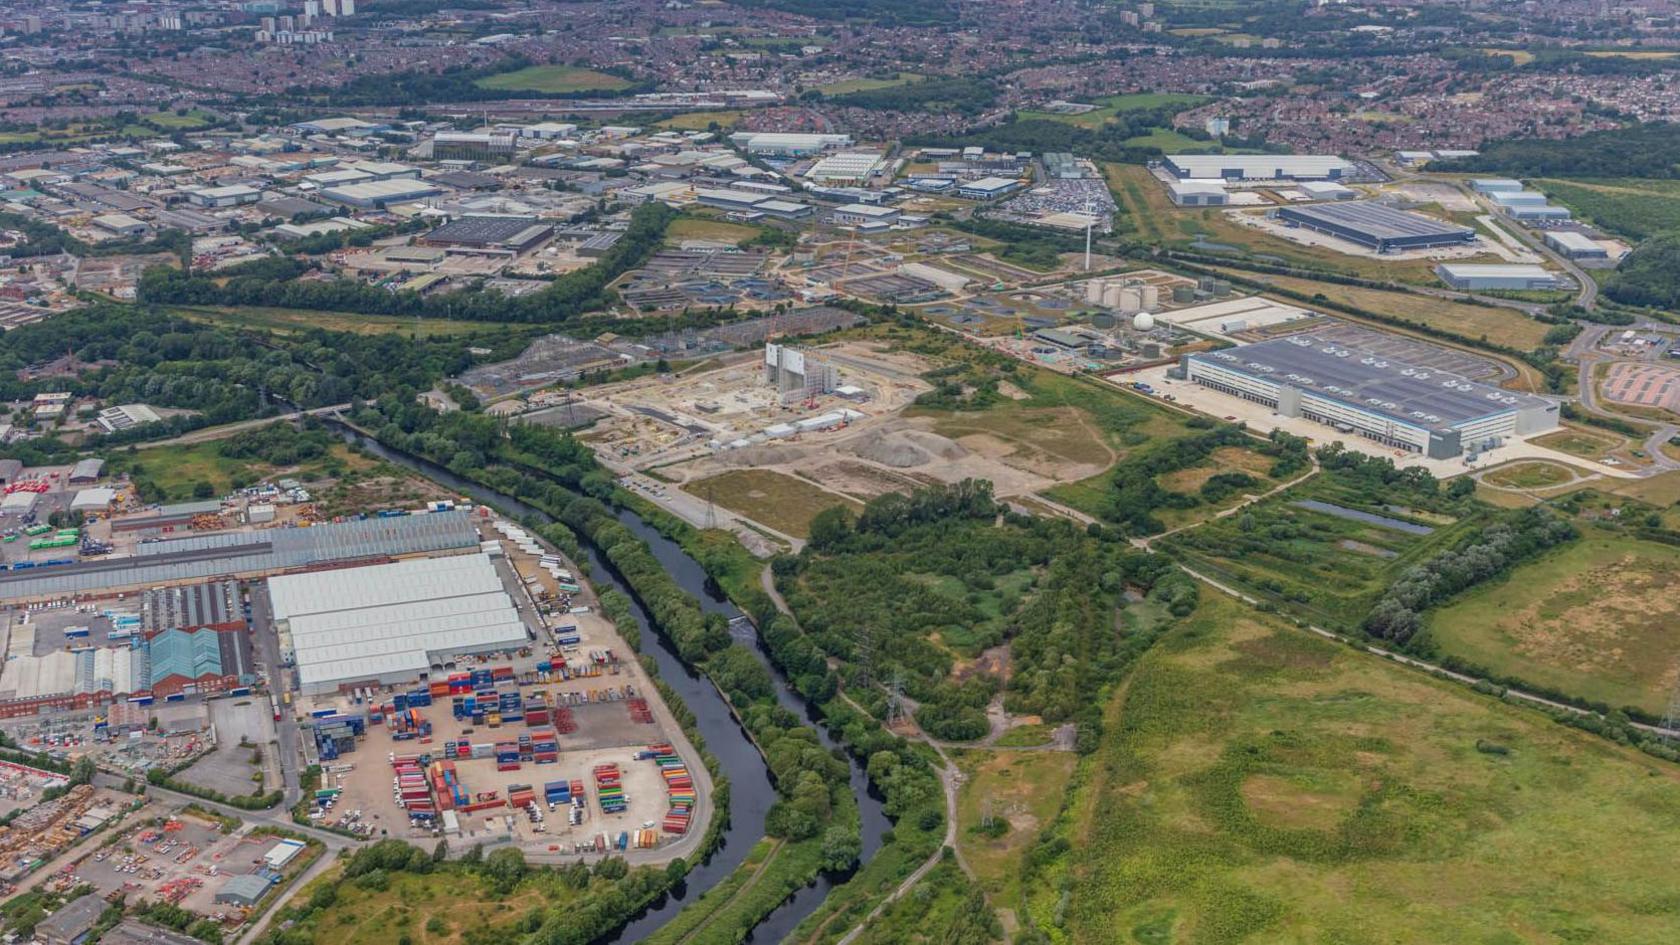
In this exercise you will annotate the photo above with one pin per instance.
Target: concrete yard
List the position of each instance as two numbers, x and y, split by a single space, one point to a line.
606 732
243 726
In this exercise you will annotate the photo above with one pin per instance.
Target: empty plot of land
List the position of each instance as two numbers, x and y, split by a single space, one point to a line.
775 500
1499 325
1595 619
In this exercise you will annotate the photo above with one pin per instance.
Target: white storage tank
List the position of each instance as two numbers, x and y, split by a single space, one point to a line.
1094 291
1131 300
1111 295
1149 297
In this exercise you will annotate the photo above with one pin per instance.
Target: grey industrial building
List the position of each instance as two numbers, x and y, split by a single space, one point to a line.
1417 409
1480 277
1575 245
390 623
488 234
1258 166
1377 226
235 553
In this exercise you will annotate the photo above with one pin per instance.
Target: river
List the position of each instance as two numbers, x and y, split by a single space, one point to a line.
750 790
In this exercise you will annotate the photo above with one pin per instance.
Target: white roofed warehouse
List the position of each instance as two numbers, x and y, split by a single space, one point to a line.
1258 166
391 623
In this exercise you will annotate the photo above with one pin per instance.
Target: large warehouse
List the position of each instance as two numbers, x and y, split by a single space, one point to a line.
489 235
1258 166
1479 277
1420 410
388 623
1377 226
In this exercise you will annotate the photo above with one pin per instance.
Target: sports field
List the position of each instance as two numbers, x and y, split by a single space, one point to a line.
1598 619
1258 784
552 78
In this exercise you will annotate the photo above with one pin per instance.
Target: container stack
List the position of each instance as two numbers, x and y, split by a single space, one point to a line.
557 792
335 733
639 711
511 707
521 795
536 710
646 839
446 786
545 746
408 723
507 756
679 786
409 781
609 789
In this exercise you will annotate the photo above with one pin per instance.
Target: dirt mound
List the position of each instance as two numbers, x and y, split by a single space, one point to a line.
764 454
906 449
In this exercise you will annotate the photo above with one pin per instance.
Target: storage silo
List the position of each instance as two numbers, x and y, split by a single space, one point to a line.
1111 295
1150 297
1131 300
1094 291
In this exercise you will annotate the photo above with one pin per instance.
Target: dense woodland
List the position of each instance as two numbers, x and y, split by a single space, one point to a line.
961 96
1650 275
914 586
1646 150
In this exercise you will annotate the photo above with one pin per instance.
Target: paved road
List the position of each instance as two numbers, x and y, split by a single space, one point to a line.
288 737
229 429
1584 351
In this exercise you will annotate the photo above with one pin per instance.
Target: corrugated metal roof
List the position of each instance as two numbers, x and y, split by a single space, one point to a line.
390 619
245 552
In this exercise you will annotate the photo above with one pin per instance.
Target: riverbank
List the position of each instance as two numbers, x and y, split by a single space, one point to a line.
663 559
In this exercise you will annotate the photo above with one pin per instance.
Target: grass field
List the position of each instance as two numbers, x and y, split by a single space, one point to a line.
1257 784
298 319
1521 57
552 78
1112 105
424 909
1579 441
1020 789
1501 326
700 121
1168 140
1529 475
772 499
694 228
1595 619
846 86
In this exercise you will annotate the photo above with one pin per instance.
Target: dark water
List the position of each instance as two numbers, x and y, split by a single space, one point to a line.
750 790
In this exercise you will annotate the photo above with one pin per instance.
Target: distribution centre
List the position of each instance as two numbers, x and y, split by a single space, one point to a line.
1377 226
1420 410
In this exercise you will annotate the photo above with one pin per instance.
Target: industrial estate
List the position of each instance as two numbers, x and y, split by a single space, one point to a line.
875 473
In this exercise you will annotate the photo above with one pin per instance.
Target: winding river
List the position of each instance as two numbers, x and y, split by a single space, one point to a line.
751 792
